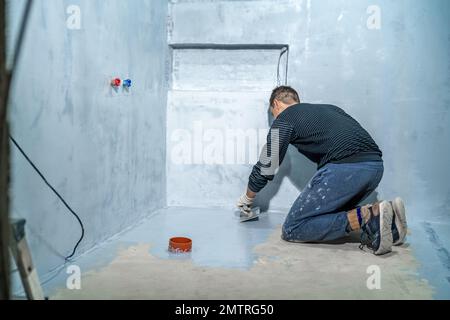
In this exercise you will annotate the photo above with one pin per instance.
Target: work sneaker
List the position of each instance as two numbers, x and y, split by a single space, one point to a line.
377 231
399 225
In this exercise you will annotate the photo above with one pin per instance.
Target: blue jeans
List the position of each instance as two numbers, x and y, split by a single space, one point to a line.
320 211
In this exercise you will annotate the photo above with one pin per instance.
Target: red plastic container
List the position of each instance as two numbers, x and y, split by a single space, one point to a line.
180 245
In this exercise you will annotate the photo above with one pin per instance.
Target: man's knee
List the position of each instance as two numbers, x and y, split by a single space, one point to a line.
293 234
285 232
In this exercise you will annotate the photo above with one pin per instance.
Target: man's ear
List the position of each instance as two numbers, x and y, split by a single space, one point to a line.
276 104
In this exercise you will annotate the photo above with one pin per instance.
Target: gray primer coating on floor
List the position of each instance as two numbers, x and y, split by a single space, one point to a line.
238 261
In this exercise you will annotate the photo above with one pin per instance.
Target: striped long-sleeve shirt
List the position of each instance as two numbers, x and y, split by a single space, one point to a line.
323 133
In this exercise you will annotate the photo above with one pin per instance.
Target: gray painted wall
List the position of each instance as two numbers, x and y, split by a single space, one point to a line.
104 151
395 80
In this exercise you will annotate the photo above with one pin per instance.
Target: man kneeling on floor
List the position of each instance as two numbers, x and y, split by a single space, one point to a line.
350 167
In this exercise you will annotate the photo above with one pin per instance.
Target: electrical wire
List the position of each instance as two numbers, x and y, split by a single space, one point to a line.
283 51
21 35
56 193
287 67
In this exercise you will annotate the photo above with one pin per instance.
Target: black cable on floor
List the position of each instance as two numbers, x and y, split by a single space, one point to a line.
56 193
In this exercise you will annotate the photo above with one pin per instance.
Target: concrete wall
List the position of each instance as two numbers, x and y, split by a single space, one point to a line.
104 151
395 80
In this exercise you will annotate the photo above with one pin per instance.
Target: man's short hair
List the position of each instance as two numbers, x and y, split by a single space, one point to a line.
284 94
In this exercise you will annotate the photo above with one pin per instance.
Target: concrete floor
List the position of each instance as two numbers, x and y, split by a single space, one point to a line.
244 261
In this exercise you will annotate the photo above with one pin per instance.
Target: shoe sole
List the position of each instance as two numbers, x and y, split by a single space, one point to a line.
400 220
386 216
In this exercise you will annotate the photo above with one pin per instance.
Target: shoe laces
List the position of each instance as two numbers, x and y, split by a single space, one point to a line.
367 237
366 240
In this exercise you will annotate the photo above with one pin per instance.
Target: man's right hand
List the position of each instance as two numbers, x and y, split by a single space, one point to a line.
245 202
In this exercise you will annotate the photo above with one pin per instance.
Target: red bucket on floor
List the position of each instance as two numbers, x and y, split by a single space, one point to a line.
180 245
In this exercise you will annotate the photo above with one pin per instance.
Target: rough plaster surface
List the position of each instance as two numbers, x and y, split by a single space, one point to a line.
104 151
281 271
225 70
